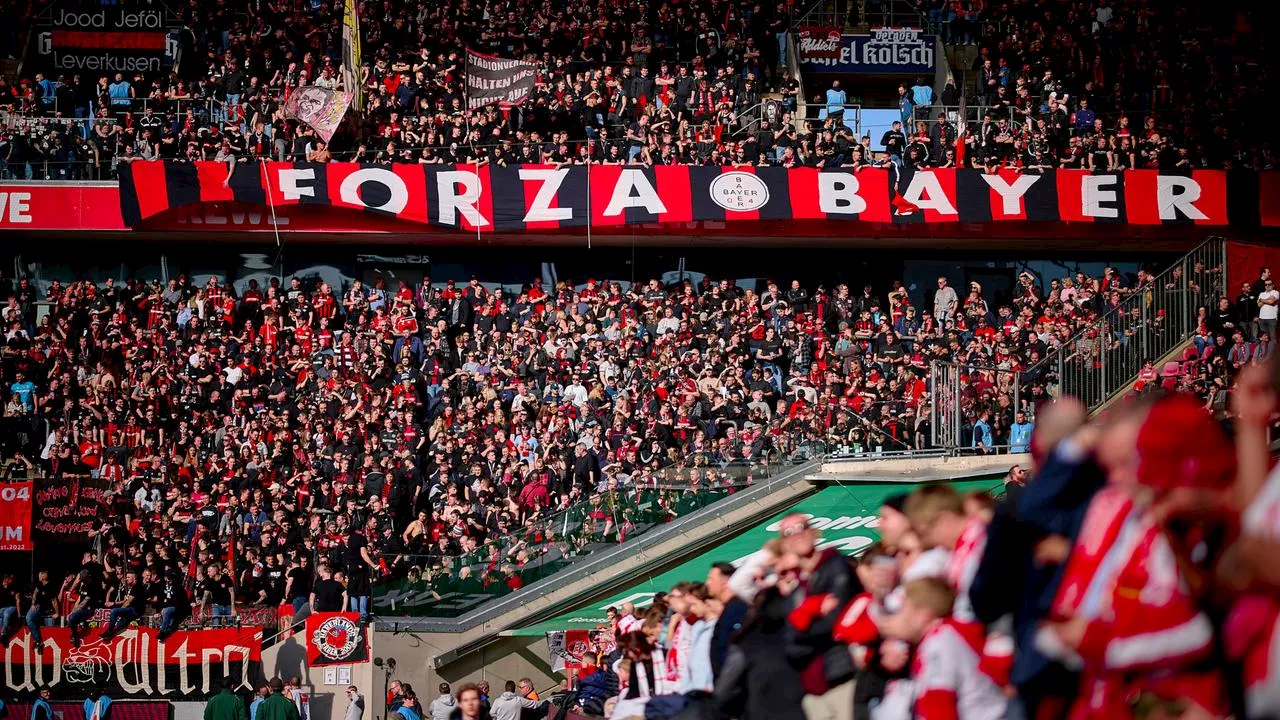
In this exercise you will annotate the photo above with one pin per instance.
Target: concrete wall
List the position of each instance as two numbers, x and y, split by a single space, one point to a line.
509 658
927 469
328 701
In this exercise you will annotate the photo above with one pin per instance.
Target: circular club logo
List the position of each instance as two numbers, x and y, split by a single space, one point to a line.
739 191
336 638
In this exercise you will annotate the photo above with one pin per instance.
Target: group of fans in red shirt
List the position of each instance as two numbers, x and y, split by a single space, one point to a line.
1131 573
469 436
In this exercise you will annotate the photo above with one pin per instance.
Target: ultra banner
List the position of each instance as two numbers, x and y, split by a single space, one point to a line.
135 663
541 197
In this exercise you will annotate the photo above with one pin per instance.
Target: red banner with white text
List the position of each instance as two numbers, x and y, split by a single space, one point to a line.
549 203
15 515
136 663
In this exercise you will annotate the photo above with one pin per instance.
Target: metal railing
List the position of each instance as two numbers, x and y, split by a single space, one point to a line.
1150 321
955 406
820 112
972 114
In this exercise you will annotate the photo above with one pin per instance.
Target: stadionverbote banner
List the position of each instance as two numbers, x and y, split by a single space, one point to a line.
495 198
497 80
136 663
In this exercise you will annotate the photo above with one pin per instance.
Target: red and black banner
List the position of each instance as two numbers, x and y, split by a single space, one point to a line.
136 663
336 638
69 508
490 198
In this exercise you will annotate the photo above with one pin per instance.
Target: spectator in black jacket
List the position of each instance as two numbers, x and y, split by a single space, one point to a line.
826 669
756 682
1026 543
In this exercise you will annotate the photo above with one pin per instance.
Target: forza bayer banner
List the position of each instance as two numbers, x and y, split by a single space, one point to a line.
491 198
846 515
336 638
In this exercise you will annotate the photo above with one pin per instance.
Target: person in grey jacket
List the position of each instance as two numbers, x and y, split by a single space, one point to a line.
355 704
442 707
508 705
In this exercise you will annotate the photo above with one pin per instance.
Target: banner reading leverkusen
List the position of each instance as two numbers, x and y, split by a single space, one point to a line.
542 197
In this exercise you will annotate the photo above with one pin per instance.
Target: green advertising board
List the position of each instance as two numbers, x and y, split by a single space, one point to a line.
846 515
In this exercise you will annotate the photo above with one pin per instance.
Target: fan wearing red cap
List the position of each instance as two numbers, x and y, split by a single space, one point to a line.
1124 613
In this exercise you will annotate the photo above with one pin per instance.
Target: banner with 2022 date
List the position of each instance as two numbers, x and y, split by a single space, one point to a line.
492 198
15 515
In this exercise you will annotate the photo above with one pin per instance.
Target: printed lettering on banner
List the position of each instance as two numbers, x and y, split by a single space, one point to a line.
477 199
135 663
15 516
739 191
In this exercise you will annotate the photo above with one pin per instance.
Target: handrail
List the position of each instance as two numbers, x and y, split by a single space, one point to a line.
1102 358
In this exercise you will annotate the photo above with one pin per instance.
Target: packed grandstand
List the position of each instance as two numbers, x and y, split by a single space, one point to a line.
1106 86
246 460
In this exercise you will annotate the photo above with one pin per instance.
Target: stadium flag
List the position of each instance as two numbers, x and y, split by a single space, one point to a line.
497 80
321 108
495 198
336 638
351 79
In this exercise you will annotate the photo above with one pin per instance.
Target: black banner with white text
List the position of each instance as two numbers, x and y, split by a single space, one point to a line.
497 80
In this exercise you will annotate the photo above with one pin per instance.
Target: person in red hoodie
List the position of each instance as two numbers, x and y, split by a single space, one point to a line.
1128 611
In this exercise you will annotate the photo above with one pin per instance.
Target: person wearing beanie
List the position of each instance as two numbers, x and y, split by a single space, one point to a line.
1127 614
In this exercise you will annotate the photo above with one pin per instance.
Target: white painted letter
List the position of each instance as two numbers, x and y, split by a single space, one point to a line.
540 209
1011 194
349 190
838 194
288 179
1092 196
1173 193
453 202
646 196
925 192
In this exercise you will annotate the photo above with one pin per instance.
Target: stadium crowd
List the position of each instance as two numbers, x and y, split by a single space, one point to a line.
1131 574
451 436
1110 85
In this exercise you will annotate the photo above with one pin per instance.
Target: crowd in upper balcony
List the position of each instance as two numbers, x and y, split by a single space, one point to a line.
1103 85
